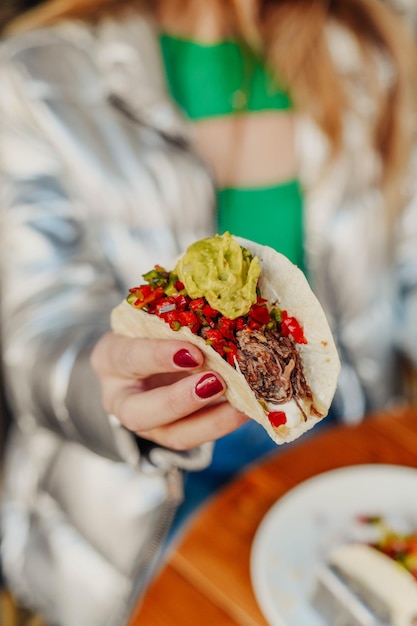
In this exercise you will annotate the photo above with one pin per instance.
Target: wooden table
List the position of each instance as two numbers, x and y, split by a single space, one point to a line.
206 580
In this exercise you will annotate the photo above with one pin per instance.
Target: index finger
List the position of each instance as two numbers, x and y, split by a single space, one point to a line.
128 357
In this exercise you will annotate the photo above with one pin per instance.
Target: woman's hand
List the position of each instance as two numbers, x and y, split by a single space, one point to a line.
153 387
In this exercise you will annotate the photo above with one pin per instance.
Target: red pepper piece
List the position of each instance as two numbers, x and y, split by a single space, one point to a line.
227 327
290 326
230 349
219 348
197 305
142 292
181 302
277 418
187 318
170 317
259 313
153 295
208 321
214 336
161 307
240 323
208 311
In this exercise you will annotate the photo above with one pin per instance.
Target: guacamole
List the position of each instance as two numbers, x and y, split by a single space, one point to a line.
222 272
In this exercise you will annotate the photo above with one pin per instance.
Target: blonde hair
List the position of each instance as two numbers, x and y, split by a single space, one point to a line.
294 37
291 36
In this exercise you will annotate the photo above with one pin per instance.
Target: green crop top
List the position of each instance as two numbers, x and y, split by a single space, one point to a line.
213 80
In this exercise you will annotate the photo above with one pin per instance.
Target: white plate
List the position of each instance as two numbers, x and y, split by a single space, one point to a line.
303 525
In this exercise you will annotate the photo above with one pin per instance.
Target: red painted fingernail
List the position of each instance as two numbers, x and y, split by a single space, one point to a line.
208 386
183 358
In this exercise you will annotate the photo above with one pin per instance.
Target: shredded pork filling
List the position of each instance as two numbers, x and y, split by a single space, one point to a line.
272 366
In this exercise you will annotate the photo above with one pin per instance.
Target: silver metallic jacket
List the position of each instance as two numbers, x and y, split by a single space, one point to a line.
99 182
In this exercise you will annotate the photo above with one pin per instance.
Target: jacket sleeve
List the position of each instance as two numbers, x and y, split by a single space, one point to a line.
75 223
57 286
406 263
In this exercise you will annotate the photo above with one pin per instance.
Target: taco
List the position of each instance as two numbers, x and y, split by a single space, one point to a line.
254 316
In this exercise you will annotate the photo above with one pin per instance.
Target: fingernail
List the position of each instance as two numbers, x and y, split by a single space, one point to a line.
208 386
183 358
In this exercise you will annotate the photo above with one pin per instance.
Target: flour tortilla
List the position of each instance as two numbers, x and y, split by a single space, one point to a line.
284 285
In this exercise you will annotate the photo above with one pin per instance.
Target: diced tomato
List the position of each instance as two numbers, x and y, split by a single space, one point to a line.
181 302
290 326
259 313
161 306
208 311
214 336
240 323
227 327
230 350
170 317
277 418
188 318
209 321
142 292
219 348
143 299
197 305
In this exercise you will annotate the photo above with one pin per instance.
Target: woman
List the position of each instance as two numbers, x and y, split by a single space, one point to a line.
114 159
